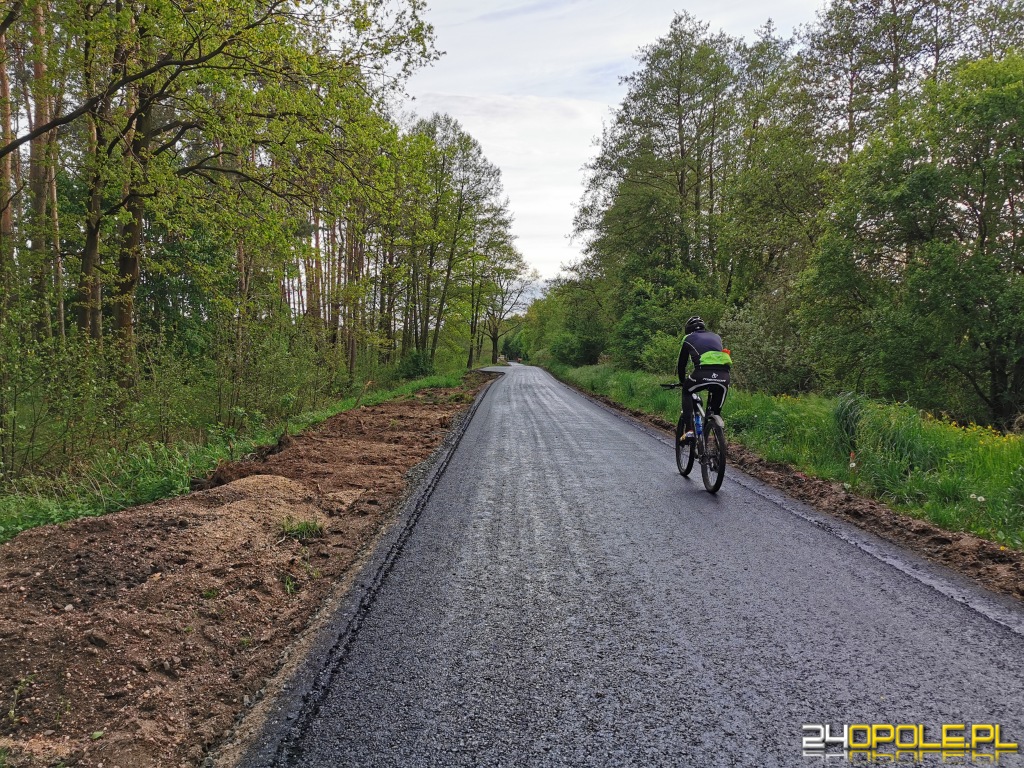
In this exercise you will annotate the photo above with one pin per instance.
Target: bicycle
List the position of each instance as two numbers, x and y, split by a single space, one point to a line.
707 444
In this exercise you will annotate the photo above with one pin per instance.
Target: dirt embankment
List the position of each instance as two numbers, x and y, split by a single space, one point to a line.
138 638
995 567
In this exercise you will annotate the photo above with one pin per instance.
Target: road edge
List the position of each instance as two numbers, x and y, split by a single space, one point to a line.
1002 609
302 694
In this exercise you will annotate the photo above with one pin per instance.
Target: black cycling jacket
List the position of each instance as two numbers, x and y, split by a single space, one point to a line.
695 345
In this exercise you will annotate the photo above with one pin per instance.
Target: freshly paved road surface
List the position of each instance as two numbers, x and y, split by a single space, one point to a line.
567 599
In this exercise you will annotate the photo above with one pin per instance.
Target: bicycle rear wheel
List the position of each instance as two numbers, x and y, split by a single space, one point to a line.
712 464
686 451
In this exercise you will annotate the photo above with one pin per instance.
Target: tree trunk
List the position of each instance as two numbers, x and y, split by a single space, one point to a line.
6 251
424 309
443 300
351 311
387 319
352 281
474 318
337 283
90 296
58 260
90 290
39 193
472 336
6 196
130 258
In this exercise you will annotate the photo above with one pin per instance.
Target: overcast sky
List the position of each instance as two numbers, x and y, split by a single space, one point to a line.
532 81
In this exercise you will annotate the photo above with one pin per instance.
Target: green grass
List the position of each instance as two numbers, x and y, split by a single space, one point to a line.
120 479
963 478
301 530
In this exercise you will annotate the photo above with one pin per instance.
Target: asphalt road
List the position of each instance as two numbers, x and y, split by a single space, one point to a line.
567 599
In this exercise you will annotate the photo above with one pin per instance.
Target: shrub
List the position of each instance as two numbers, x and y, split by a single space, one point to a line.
661 353
416 366
572 350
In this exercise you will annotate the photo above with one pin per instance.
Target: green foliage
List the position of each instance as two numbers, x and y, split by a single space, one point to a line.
914 290
570 349
845 212
892 449
661 354
416 365
582 327
767 346
290 585
657 309
20 688
801 431
209 246
514 346
848 411
215 242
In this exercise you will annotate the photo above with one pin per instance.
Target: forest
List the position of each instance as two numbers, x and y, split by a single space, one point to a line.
844 205
212 218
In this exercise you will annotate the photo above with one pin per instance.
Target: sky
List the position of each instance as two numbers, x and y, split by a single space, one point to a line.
534 80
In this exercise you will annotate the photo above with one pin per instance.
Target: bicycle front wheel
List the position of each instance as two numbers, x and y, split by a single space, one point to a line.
712 465
685 451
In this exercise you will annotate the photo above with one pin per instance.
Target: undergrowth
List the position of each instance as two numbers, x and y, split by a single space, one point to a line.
960 477
142 474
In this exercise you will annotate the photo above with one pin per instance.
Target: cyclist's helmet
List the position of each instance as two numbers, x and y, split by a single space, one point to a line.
694 324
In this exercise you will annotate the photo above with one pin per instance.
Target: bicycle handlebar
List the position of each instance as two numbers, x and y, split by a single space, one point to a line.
671 386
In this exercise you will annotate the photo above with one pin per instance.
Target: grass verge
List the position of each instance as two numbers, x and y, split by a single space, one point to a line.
962 478
120 479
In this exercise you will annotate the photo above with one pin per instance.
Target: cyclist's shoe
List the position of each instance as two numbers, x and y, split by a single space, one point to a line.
686 437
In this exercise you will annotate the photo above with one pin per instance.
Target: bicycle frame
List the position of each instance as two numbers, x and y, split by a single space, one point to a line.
698 410
712 457
698 407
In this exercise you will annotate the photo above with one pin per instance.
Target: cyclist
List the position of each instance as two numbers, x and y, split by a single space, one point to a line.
711 363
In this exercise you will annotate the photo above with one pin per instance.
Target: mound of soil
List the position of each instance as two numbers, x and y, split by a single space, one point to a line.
138 638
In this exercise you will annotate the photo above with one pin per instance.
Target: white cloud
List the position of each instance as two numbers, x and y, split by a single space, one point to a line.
532 81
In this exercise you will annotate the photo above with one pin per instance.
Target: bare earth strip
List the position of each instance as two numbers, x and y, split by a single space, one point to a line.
139 638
